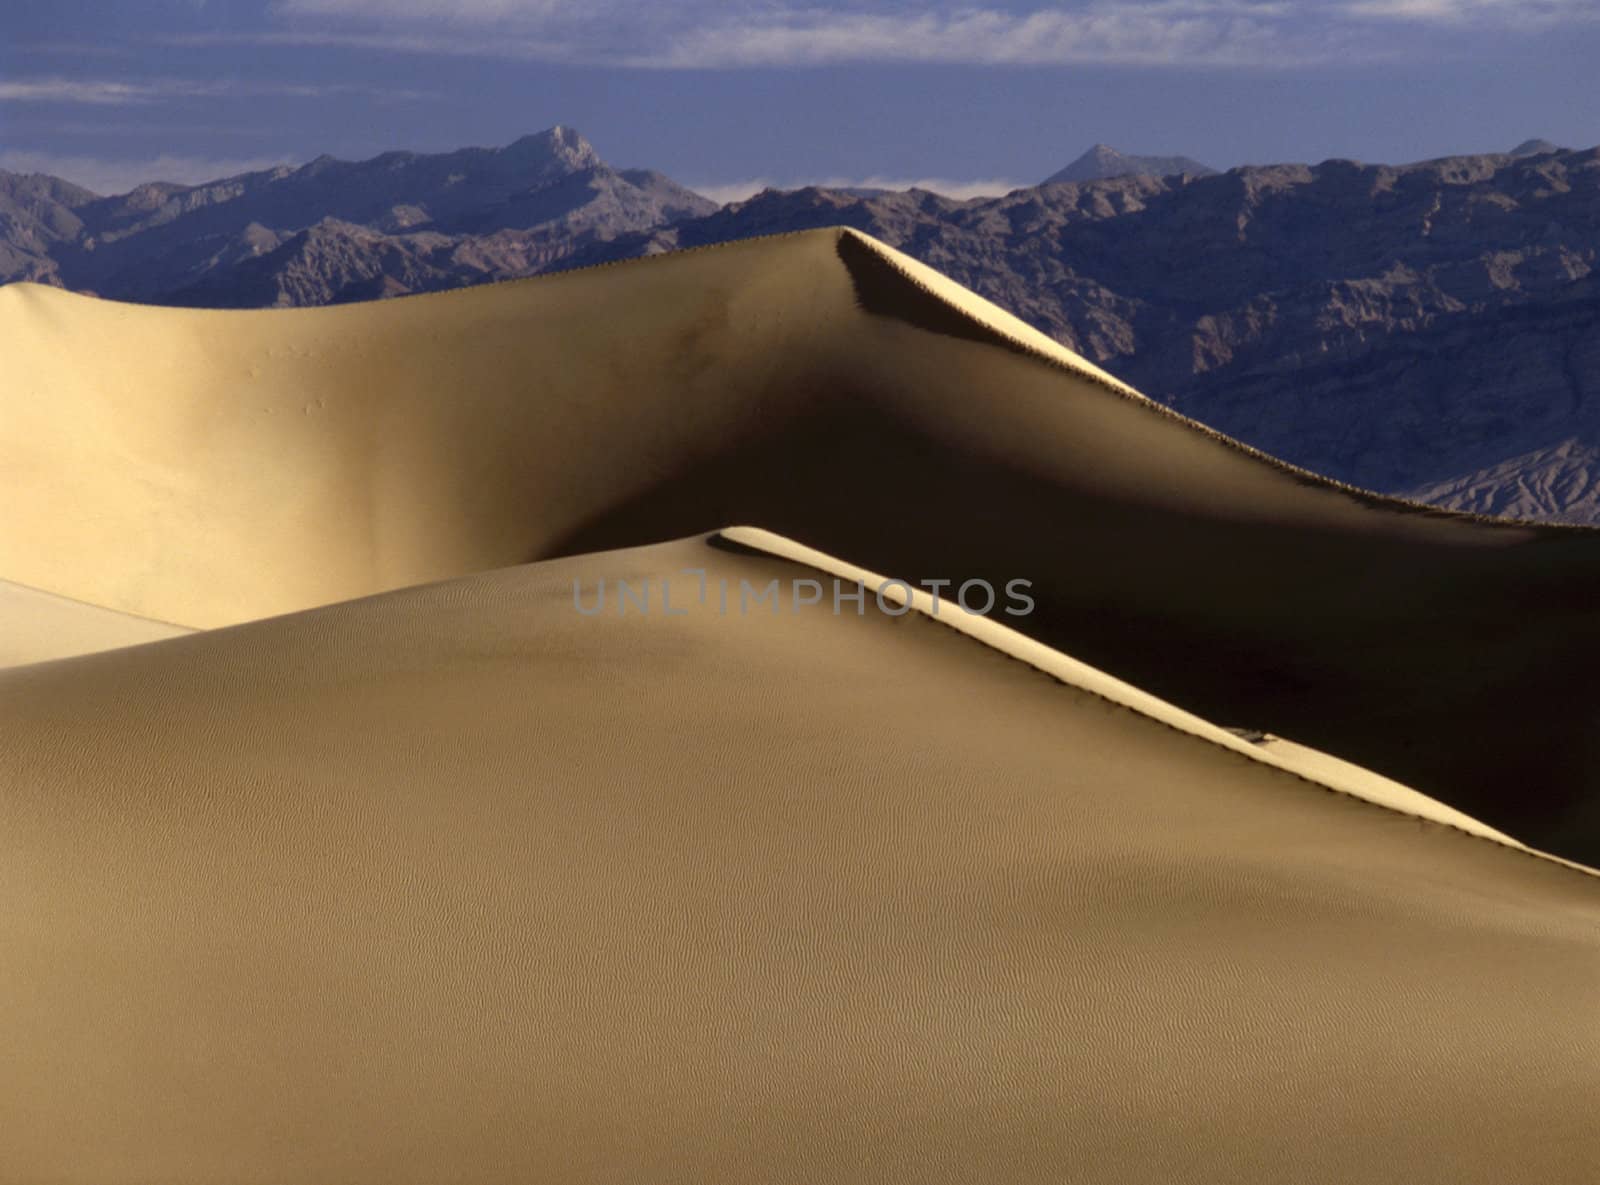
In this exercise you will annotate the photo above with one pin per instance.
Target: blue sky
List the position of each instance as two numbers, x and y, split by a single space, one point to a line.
727 95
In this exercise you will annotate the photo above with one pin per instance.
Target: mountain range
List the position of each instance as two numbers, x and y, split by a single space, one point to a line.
334 230
1430 329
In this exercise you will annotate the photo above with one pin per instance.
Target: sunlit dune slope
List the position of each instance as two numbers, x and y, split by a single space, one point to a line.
459 883
207 468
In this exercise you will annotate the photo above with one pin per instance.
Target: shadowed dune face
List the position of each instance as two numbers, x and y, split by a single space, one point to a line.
210 468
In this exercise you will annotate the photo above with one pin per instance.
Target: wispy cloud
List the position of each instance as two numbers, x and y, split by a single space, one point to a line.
738 191
735 34
108 176
717 34
518 47
79 90
76 49
135 125
1525 14
118 93
455 11
1162 33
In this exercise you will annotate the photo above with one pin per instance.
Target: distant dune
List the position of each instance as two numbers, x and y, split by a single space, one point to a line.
338 842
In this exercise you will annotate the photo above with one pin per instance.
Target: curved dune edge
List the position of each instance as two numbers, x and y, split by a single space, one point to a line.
38 626
1310 765
1013 330
988 314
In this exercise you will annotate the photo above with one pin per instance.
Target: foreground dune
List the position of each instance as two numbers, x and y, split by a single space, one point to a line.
456 883
346 836
206 468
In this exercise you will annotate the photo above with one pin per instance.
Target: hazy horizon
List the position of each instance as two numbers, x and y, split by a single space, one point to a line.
118 178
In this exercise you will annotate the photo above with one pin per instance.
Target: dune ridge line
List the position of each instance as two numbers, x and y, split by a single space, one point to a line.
1370 787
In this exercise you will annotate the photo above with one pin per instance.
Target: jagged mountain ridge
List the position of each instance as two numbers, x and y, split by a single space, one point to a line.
38 214
167 243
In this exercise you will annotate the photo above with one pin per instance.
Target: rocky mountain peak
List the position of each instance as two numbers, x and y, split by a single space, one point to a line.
1103 162
1535 148
560 146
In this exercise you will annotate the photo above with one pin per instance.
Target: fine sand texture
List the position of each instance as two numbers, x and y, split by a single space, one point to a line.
458 883
208 468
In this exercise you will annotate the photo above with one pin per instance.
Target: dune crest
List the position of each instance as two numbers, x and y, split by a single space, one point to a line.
987 316
1321 769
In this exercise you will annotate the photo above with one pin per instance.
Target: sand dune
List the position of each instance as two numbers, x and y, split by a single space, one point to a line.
37 626
457 883
223 466
338 844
